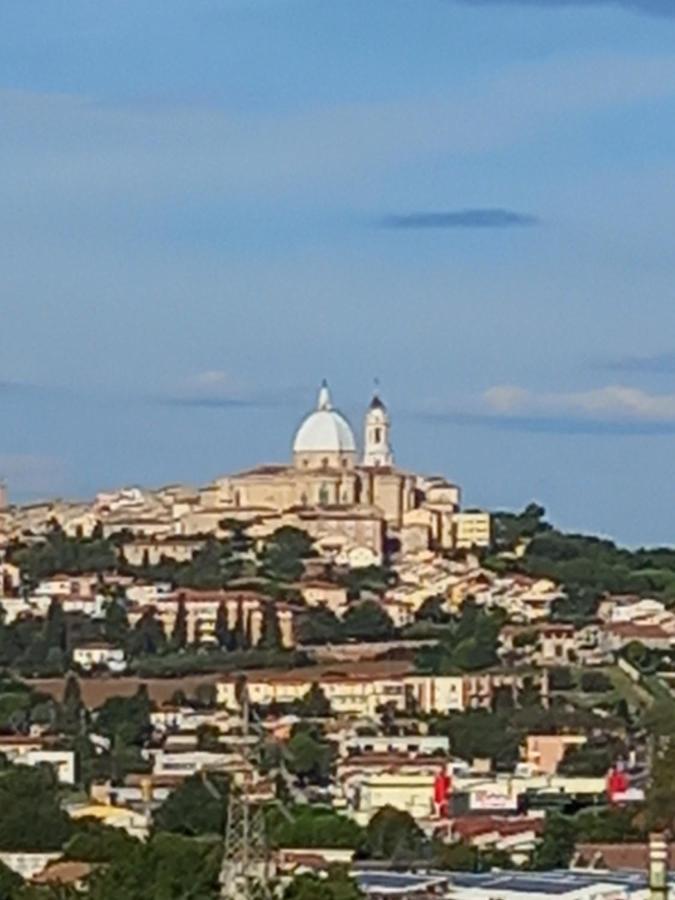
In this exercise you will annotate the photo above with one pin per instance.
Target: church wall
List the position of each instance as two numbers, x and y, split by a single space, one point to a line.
388 493
324 460
276 494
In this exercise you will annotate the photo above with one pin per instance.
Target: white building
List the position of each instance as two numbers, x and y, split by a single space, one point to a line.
100 655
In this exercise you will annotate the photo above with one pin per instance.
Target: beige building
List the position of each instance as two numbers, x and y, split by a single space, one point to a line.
201 608
324 593
472 529
151 551
356 694
545 752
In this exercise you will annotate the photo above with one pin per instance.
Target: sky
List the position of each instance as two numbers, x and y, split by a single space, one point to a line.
207 206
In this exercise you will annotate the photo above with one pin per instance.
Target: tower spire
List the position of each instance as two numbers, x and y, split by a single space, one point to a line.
377 447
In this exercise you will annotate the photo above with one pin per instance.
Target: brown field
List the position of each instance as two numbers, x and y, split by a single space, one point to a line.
95 691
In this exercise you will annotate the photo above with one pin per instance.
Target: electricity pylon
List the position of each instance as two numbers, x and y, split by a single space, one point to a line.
245 872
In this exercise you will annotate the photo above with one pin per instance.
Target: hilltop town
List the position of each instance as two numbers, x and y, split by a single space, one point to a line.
411 695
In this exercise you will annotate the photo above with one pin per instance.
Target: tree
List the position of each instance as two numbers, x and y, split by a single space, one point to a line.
195 808
284 552
239 637
179 633
314 704
560 679
31 818
208 738
116 623
557 844
612 825
147 636
55 626
10 882
169 866
309 826
458 857
367 621
126 719
320 626
593 759
510 529
270 634
337 884
308 758
433 610
393 834
595 682
73 712
95 842
480 734
661 789
222 629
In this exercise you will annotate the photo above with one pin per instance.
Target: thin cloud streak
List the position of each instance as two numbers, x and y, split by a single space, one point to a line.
463 218
217 389
610 410
649 7
657 364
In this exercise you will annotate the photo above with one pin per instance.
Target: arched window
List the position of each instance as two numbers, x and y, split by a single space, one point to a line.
324 462
378 435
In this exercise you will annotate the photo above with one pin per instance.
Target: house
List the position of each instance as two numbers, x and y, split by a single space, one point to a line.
324 593
544 644
28 865
545 752
134 823
36 751
100 655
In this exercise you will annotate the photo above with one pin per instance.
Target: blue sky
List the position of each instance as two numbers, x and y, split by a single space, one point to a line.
207 206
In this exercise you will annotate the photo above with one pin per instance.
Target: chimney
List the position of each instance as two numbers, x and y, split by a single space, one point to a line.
658 866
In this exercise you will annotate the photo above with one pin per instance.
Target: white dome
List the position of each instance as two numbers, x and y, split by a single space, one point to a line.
324 430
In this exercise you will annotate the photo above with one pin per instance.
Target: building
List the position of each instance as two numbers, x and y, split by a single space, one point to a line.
358 693
28 865
500 885
545 752
100 655
471 529
334 492
153 551
36 751
134 823
201 610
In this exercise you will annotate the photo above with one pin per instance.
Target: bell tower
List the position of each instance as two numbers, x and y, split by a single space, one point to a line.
377 447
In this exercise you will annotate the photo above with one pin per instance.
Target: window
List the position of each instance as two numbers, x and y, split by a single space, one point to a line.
378 435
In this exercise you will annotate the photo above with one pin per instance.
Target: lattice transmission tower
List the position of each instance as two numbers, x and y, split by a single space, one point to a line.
246 870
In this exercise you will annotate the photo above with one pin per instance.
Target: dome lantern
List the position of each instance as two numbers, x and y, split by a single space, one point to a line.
325 439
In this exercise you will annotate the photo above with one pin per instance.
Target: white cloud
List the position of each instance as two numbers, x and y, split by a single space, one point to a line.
610 403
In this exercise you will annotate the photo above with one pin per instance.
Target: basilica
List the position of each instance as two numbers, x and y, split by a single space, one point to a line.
355 501
358 506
